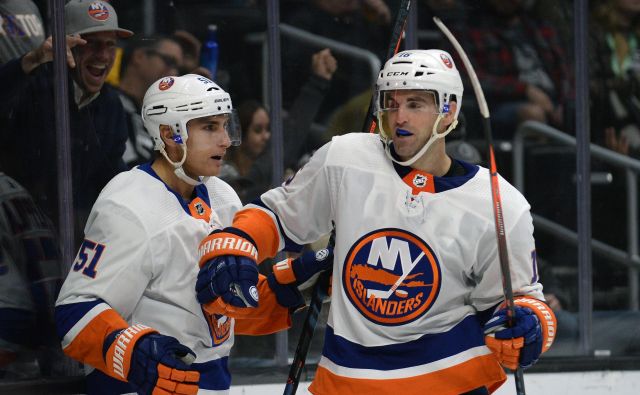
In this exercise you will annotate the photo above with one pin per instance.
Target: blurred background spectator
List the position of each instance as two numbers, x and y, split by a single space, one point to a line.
30 278
191 47
615 75
97 121
248 168
364 24
21 28
520 62
145 60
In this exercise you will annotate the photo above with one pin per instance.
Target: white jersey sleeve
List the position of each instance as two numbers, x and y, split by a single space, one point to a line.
315 185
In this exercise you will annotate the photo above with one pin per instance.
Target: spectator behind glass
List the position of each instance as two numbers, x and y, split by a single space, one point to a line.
191 54
145 60
615 75
30 278
362 24
97 121
520 63
21 28
255 126
248 168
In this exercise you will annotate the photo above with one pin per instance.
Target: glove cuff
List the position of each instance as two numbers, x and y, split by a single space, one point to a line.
225 243
548 322
283 272
287 295
118 355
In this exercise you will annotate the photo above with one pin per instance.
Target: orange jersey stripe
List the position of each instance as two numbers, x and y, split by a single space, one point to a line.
87 345
268 317
454 380
262 229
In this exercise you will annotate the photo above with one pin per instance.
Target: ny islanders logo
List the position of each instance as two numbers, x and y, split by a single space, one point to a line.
445 59
391 276
98 11
165 83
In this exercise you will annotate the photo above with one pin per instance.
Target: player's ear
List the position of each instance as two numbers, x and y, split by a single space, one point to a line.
166 134
449 116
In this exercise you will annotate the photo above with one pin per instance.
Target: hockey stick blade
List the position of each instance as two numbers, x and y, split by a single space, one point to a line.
495 187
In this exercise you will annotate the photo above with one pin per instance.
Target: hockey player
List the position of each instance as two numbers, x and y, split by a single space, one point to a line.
416 275
127 308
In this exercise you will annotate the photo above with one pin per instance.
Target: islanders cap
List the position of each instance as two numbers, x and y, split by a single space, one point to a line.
91 16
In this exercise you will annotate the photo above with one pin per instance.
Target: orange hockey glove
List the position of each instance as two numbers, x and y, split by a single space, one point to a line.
150 362
228 276
532 333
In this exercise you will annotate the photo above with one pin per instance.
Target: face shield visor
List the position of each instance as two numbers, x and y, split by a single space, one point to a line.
394 107
233 128
228 123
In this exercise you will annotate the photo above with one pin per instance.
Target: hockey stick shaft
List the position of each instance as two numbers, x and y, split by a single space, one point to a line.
394 45
319 294
495 187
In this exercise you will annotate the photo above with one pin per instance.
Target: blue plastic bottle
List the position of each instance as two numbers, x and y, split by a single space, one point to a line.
209 54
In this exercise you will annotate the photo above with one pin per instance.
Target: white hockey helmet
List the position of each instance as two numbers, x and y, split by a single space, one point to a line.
174 101
430 70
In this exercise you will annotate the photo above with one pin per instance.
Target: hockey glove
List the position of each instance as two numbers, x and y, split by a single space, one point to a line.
290 273
228 273
531 334
150 362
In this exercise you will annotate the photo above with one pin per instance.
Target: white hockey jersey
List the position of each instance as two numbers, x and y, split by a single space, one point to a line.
415 260
139 261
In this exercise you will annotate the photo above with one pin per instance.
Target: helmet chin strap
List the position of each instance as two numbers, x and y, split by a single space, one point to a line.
434 136
179 171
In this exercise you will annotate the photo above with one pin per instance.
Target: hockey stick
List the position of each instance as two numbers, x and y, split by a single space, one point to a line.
319 294
394 45
495 188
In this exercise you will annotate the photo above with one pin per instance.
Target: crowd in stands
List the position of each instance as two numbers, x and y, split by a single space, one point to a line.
522 56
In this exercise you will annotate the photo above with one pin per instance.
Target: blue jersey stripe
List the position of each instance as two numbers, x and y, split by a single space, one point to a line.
199 190
429 348
444 183
67 315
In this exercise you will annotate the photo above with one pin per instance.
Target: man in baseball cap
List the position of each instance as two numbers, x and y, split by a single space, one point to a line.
86 16
97 120
92 29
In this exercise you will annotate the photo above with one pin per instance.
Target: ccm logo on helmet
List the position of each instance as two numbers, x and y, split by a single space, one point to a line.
397 73
391 277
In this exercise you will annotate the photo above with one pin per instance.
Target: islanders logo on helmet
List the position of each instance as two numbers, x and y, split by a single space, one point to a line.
446 60
98 11
391 276
165 83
